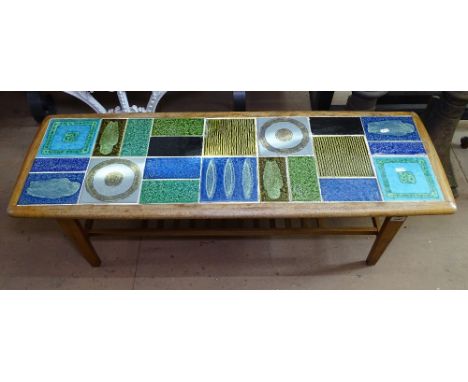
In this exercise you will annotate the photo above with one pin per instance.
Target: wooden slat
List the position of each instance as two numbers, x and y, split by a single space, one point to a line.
233 227
234 232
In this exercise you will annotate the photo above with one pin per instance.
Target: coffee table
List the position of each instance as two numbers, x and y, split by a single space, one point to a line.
231 174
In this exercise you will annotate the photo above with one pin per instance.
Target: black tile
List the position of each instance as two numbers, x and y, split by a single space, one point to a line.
175 146
336 125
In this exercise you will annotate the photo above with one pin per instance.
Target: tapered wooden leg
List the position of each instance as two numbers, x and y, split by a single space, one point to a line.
77 234
387 232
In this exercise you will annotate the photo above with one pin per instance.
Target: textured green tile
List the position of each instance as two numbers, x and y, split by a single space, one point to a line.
303 179
136 137
177 126
230 137
169 191
273 180
342 156
110 136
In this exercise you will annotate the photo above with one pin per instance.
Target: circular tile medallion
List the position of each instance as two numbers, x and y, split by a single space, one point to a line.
284 135
113 180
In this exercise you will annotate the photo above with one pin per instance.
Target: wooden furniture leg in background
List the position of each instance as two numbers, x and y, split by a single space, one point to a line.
77 234
387 232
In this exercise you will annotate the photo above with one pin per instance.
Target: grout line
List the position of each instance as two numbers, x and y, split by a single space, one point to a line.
257 161
376 175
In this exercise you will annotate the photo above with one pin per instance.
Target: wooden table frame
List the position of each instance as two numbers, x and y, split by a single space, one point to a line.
393 213
384 231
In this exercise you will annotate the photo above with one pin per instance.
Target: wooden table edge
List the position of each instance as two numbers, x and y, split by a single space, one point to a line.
229 211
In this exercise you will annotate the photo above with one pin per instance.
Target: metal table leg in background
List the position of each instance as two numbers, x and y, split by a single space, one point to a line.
441 117
239 99
363 100
41 105
320 100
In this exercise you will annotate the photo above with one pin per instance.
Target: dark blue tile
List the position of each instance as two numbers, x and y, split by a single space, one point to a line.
59 164
349 189
172 168
51 188
397 148
231 179
390 129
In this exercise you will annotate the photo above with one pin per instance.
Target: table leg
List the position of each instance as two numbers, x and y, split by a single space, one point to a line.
77 234
387 232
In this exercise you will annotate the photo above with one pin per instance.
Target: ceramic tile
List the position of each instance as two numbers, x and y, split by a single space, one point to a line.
113 180
390 129
229 179
283 137
175 146
69 137
51 188
273 180
343 156
303 179
136 139
397 148
406 178
349 190
177 127
336 125
230 137
110 136
170 191
172 168
59 164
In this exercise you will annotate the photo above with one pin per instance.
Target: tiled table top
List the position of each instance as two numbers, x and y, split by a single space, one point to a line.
262 158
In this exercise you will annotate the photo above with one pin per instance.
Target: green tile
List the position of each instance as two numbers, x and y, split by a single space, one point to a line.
136 137
342 156
273 180
169 191
303 179
110 136
176 127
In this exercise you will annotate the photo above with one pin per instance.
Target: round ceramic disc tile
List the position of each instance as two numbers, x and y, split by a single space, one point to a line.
113 179
284 135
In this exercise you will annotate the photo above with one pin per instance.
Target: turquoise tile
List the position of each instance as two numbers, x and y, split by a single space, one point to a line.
69 138
406 178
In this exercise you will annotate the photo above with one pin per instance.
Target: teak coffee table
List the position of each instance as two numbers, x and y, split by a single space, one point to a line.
231 174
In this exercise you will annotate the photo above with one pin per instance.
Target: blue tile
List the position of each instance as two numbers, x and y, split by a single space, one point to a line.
51 188
349 189
390 129
229 179
59 164
172 168
69 138
397 148
406 179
